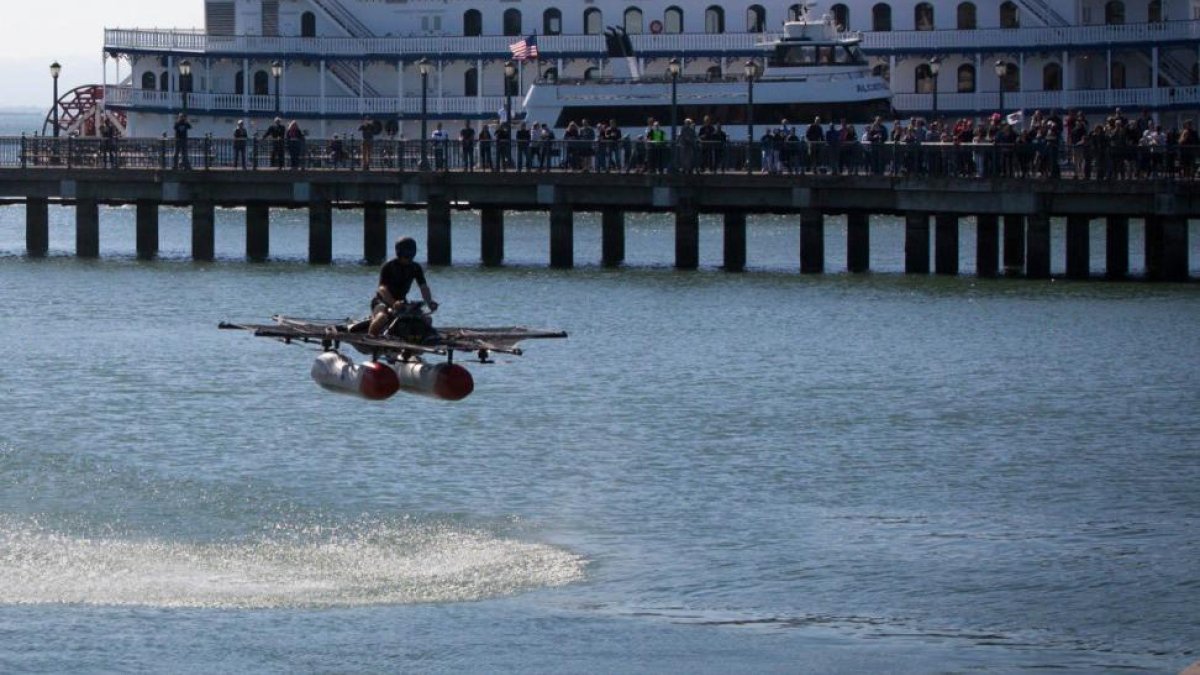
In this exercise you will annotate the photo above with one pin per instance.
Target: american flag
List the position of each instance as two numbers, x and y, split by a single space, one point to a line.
525 48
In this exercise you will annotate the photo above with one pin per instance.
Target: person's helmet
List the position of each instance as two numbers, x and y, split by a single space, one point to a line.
406 247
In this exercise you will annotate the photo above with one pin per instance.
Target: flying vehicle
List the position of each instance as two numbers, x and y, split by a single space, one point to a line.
404 357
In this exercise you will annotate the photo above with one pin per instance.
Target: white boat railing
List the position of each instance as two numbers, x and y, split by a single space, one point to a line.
415 46
409 106
1132 99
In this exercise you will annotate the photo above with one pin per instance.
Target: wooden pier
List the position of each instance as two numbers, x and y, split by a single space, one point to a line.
1012 215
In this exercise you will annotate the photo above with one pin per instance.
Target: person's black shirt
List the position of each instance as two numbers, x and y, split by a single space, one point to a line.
398 277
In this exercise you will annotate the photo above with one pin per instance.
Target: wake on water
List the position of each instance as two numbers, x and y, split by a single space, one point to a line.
380 564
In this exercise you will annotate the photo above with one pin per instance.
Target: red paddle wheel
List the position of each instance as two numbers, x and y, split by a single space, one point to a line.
80 112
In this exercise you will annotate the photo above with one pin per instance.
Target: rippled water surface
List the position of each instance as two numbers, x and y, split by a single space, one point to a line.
760 472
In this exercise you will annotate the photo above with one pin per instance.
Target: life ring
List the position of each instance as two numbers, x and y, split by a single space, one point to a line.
656 26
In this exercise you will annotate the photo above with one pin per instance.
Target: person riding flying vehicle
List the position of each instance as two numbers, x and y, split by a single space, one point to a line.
395 280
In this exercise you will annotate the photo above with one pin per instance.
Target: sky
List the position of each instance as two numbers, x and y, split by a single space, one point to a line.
35 34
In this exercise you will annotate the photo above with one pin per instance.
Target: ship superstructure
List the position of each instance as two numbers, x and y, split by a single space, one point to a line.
330 63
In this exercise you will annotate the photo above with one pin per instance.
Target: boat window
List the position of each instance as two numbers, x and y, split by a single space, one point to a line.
164 82
848 55
923 16
881 17
841 16
791 56
550 75
1114 12
239 83
262 83
472 23
966 79
967 16
795 12
512 22
825 55
673 20
591 73
925 79
1154 11
593 21
714 20
552 22
883 72
714 72
1009 16
756 19
149 81
1117 80
308 25
633 21
1052 77
471 82
1011 81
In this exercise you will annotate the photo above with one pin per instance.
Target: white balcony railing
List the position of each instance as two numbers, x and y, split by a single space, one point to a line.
1052 100
409 106
1054 37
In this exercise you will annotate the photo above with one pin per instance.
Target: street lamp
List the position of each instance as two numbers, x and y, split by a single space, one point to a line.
55 71
934 66
185 81
751 69
423 65
510 69
277 72
1001 71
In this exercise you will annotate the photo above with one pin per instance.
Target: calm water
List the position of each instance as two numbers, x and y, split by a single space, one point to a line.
758 473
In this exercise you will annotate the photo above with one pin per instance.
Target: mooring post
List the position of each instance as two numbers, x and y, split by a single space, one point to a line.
1079 247
945 244
375 245
1014 243
735 241
612 237
812 242
562 236
147 229
987 245
258 232
438 230
204 218
491 236
916 243
1174 250
687 236
858 242
320 232
1037 263
1116 247
37 226
87 228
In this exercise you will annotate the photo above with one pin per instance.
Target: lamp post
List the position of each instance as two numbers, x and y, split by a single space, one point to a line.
510 69
934 66
423 65
673 69
751 69
185 81
277 72
55 71
1001 71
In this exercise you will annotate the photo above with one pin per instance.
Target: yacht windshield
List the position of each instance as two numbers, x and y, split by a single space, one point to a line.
791 56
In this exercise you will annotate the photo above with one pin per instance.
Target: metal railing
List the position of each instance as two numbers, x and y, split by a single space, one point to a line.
967 161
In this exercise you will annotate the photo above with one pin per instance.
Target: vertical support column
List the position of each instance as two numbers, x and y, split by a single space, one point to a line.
946 244
1079 247
258 232
1037 265
87 228
858 242
1116 247
1175 249
1014 244
204 218
987 245
735 241
1153 247
916 243
438 231
147 229
491 234
812 242
687 236
320 232
375 248
612 237
562 236
37 226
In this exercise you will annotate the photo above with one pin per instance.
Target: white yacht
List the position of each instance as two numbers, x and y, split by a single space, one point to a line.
328 63
813 69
